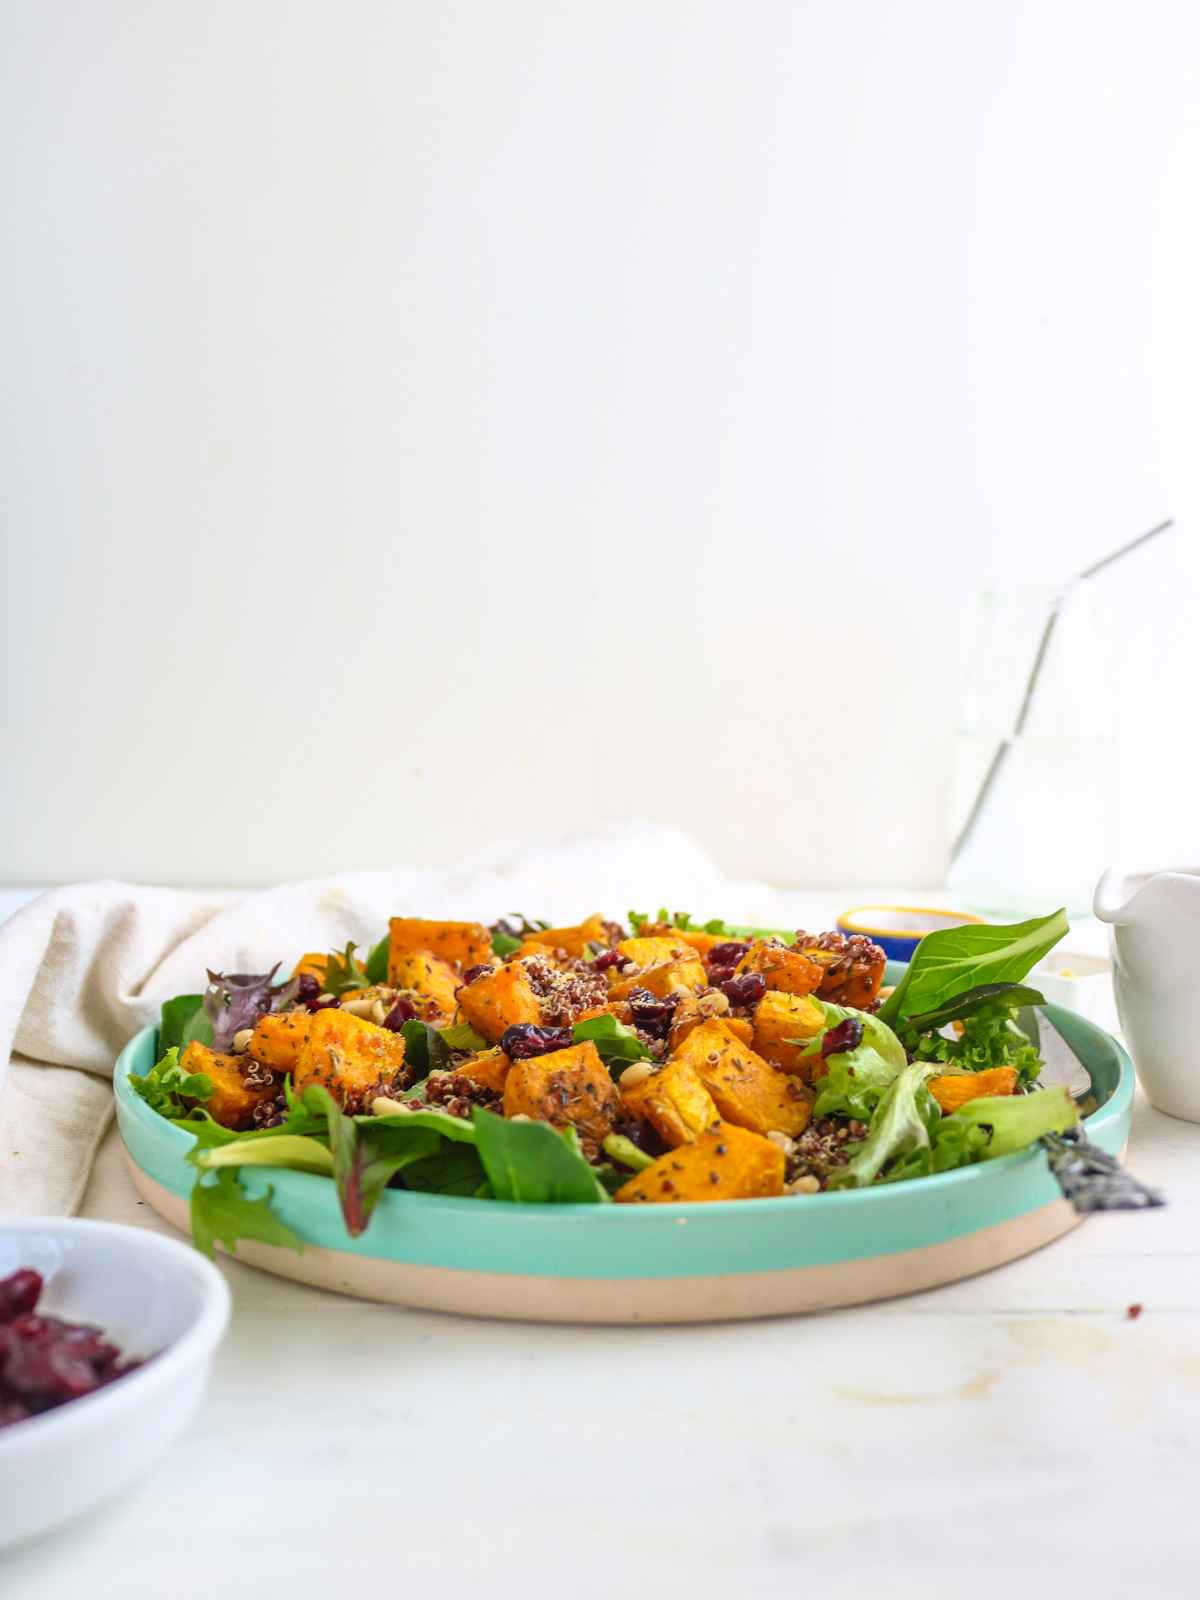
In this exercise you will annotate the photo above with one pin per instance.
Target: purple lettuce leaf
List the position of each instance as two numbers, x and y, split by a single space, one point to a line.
236 1000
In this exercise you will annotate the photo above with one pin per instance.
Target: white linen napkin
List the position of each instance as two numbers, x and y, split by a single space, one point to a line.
83 968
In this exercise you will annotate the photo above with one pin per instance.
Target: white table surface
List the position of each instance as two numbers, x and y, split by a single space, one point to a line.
1016 1429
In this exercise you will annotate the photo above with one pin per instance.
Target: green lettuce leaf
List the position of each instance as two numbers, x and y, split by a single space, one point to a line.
170 1091
904 1121
856 1079
950 961
223 1212
1017 1120
300 1153
533 1163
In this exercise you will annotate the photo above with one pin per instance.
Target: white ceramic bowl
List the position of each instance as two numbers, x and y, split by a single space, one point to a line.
153 1297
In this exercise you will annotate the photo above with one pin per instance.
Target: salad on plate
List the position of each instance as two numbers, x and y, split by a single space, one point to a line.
663 1062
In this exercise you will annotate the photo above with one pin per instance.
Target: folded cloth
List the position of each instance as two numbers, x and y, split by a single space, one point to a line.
83 968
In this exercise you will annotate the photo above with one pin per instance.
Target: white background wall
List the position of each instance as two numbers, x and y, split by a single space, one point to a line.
427 424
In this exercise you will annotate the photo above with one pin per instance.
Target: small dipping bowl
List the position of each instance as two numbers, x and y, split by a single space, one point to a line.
154 1297
900 929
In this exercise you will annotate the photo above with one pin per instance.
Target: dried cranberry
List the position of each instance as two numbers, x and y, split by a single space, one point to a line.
307 988
480 971
19 1293
846 1035
607 959
13 1411
727 954
525 1039
647 1010
323 1002
403 1011
744 990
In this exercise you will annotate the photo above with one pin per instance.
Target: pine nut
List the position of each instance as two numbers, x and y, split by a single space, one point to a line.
241 1041
715 1003
637 1073
520 1116
777 1137
378 1011
383 1107
806 1185
359 1008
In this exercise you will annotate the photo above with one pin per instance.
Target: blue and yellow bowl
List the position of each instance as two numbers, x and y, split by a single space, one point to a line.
900 929
732 1259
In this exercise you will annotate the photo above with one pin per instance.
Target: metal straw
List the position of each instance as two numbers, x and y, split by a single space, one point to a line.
1035 672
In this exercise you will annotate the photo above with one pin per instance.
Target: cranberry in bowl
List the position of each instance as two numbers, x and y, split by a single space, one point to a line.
154 1312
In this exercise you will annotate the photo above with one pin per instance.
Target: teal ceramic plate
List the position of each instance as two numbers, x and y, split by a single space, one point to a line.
654 1263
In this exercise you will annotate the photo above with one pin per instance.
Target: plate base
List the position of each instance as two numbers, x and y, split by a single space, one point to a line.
729 1297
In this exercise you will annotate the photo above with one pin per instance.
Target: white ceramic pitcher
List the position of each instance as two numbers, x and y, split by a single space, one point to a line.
1155 918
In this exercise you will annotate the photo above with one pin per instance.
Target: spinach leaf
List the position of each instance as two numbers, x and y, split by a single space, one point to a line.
376 969
366 1159
510 933
1014 996
168 1089
222 1211
455 1169
532 1162
175 1016
617 1044
950 961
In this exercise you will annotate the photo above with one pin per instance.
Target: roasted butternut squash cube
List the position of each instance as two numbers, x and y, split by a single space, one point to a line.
233 1100
852 966
783 969
748 1090
674 1101
466 943
498 1000
276 1039
684 975
692 1010
954 1089
574 941
723 1163
654 951
428 975
489 1069
569 1086
353 1058
314 964
779 1020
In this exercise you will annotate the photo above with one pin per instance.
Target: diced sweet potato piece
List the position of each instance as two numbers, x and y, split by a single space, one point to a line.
488 1069
574 941
852 966
276 1039
498 1000
684 975
233 1100
954 1089
783 969
748 1090
724 1163
467 943
427 974
353 1058
314 964
781 1018
674 1101
566 1086
653 952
